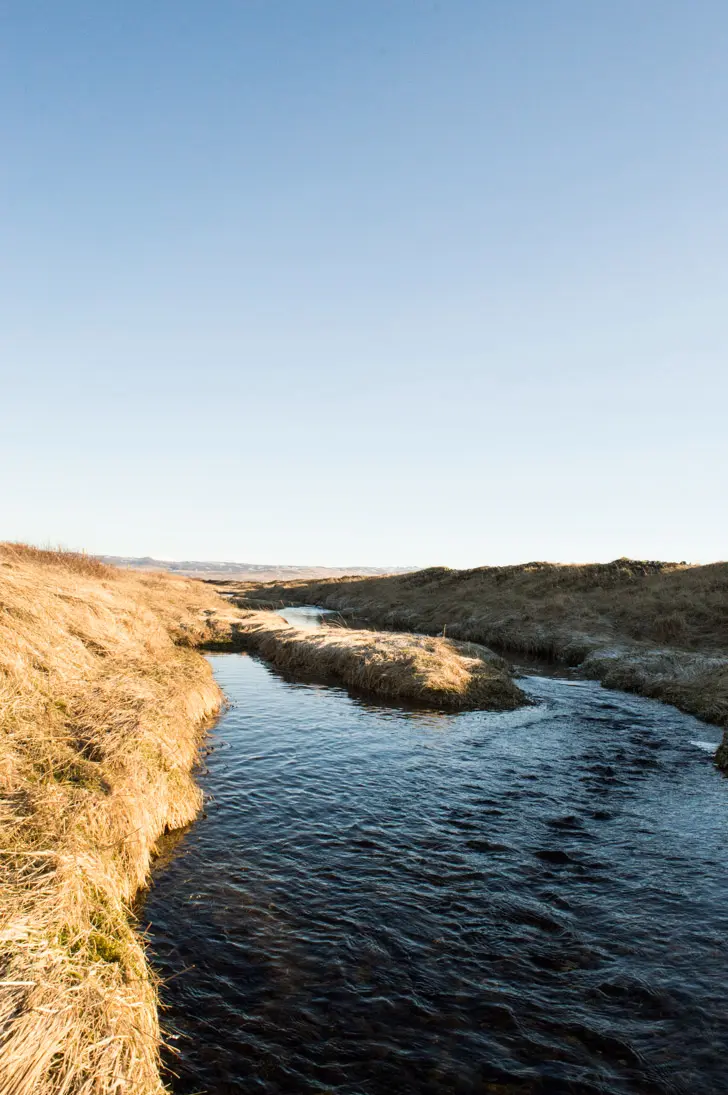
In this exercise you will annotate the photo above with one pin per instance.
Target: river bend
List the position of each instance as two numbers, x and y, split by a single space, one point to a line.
382 900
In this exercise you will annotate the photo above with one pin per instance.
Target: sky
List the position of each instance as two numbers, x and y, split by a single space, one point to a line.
365 282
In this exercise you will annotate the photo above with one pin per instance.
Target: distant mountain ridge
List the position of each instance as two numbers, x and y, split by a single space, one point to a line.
250 572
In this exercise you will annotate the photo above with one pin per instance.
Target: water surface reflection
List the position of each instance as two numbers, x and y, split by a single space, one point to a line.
308 617
383 901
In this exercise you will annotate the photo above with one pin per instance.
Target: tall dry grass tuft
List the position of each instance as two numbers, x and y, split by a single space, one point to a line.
433 671
77 562
102 704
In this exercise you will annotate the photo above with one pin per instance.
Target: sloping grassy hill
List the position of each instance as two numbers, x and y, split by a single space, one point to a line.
660 629
102 703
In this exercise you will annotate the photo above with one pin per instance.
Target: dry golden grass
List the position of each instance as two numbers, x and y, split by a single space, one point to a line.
539 608
659 629
102 704
433 671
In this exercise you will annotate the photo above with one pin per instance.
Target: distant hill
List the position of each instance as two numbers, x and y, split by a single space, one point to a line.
244 572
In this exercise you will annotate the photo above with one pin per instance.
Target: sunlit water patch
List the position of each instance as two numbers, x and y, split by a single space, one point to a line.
382 901
308 617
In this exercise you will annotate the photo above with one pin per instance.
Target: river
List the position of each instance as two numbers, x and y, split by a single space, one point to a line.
383 901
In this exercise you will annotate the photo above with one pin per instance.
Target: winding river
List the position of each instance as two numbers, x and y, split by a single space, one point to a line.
383 901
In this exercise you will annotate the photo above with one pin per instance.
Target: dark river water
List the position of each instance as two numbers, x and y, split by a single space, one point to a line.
382 901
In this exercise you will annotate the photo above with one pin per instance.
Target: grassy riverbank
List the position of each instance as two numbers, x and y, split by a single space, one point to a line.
434 671
658 629
102 704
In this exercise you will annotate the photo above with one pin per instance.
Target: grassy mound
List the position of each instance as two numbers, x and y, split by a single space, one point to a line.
437 672
102 704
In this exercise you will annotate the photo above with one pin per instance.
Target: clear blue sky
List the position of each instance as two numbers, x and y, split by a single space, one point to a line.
365 281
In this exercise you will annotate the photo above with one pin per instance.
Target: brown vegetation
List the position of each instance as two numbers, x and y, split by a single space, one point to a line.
437 672
102 704
659 629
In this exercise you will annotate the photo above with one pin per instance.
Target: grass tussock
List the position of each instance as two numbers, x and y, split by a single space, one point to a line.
658 629
102 703
437 672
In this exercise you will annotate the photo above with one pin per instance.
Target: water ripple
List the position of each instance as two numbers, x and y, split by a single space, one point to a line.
383 901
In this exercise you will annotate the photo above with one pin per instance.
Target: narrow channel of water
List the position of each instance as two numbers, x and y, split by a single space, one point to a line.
382 901
309 617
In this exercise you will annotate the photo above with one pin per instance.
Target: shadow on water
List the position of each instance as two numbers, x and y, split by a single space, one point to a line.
382 900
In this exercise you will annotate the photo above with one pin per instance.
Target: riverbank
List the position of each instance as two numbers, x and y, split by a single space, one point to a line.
436 672
103 701
656 629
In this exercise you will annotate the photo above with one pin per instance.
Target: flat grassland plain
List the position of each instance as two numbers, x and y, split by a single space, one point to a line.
653 628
